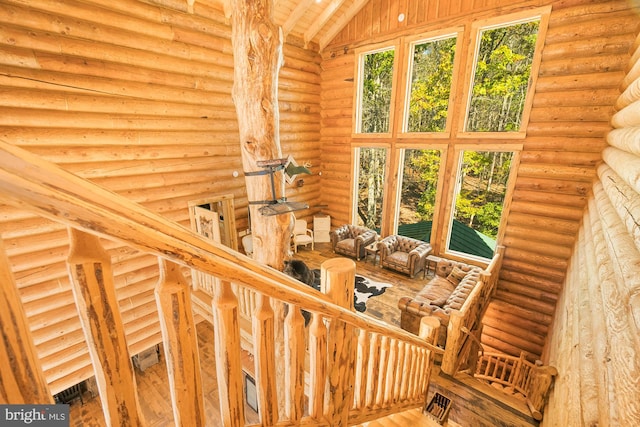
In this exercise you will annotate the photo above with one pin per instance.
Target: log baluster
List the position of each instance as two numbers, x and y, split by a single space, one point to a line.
317 366
399 374
382 371
21 379
406 362
337 282
173 298
227 350
373 370
265 362
294 366
360 386
391 373
95 295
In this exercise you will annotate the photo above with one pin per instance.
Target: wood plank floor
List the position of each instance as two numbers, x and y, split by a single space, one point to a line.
153 385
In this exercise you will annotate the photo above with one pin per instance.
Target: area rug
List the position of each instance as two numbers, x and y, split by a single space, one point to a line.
364 289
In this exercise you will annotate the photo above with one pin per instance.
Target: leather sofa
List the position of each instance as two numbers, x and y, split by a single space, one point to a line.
403 254
350 240
446 291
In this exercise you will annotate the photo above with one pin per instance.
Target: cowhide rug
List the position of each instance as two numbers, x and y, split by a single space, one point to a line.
364 288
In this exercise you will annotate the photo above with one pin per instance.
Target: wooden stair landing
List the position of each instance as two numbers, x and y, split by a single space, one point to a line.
412 417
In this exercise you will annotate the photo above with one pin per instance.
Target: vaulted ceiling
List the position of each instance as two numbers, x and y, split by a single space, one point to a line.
313 21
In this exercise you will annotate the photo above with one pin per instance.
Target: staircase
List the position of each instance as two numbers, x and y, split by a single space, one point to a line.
343 369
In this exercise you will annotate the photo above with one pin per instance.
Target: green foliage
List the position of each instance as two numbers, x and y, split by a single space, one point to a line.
371 186
502 77
376 91
419 185
431 85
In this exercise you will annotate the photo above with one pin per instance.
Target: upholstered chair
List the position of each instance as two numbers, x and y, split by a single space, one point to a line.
403 254
350 240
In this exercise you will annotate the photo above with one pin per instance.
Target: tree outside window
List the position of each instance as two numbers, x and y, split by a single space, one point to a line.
371 166
431 76
418 193
376 88
481 190
501 78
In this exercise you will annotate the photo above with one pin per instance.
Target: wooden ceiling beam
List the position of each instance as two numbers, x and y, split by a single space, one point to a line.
334 29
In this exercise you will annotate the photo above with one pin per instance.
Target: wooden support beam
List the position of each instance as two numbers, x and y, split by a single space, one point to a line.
95 295
173 297
21 377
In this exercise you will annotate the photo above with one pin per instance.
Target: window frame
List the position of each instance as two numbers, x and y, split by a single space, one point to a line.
454 190
356 131
477 27
409 44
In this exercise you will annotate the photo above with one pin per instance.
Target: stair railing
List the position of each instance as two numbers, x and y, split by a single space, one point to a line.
358 368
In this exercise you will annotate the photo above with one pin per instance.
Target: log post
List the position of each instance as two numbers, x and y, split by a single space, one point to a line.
257 59
95 295
227 346
337 281
21 378
173 297
541 381
429 326
455 339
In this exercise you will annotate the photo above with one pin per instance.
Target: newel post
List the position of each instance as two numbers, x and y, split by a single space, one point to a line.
95 294
338 275
173 298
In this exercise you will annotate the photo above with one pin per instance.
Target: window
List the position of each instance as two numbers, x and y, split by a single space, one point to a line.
481 187
375 91
420 169
503 62
370 173
431 70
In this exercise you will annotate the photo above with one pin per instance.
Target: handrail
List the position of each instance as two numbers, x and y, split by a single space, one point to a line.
34 184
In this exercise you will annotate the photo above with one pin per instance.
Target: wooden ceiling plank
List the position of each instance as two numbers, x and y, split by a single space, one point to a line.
334 29
298 12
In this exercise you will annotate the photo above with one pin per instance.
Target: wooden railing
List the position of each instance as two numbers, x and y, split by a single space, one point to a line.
531 380
357 367
464 327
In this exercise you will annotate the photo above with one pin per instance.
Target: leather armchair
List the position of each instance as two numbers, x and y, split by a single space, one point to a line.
350 240
403 254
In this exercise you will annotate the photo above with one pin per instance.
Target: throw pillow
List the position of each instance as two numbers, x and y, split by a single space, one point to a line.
456 275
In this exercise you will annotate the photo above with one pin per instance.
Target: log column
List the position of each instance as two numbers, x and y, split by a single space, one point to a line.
95 294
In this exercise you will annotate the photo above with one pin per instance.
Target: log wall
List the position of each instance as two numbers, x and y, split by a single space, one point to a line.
136 97
595 341
585 54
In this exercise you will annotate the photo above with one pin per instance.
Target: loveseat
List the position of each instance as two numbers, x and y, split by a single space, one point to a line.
446 291
350 240
403 254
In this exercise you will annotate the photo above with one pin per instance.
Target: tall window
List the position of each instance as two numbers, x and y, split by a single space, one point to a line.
375 90
480 193
370 190
418 193
431 70
502 69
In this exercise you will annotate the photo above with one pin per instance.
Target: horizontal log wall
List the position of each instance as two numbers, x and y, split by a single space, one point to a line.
136 98
583 61
595 341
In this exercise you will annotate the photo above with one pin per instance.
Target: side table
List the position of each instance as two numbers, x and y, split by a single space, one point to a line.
431 259
371 250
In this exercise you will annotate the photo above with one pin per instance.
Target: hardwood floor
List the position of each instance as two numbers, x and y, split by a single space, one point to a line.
469 408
